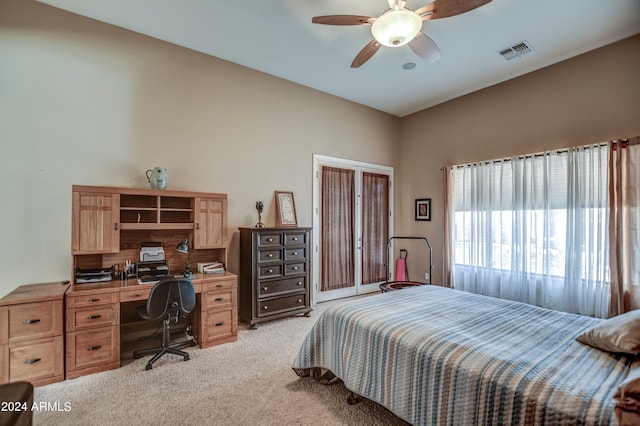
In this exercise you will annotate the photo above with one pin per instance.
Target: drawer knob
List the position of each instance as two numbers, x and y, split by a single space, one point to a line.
92 317
270 240
32 360
270 271
299 283
295 238
94 348
93 300
295 268
265 307
295 253
219 299
135 295
299 300
265 288
270 255
28 322
220 285
219 324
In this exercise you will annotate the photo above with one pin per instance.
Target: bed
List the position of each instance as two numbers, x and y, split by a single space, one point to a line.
436 356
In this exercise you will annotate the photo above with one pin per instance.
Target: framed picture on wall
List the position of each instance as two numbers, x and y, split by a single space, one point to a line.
423 209
286 209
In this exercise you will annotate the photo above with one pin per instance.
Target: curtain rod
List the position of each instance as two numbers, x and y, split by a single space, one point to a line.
623 142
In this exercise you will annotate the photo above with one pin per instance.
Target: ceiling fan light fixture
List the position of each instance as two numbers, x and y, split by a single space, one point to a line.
396 27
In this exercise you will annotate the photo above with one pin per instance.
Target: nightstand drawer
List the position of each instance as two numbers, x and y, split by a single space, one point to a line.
289 285
92 347
36 359
273 306
34 320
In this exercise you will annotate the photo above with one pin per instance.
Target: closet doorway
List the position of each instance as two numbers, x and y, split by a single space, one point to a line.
352 222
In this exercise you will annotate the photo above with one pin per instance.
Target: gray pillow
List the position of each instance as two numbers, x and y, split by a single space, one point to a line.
619 334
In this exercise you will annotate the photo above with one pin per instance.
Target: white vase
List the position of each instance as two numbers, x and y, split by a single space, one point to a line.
157 177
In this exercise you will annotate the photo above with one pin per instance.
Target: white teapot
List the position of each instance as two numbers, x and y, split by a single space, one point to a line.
157 177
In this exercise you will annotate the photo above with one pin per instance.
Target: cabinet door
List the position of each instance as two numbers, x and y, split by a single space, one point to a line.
210 223
95 223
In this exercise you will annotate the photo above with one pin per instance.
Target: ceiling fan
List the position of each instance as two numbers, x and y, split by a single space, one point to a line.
398 26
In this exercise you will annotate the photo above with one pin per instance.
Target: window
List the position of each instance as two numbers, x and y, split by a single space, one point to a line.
534 229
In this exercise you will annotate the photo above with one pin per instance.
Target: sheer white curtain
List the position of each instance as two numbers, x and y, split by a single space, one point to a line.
533 229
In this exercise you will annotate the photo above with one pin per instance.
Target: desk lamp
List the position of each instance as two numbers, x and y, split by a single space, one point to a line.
183 247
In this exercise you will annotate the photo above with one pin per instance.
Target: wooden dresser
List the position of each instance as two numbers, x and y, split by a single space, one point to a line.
32 334
274 277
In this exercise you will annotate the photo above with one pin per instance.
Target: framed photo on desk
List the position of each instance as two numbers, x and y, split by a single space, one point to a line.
286 209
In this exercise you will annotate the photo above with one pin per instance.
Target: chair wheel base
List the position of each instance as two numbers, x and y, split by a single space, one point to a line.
148 367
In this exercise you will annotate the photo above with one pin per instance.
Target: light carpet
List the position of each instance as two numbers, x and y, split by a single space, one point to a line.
248 382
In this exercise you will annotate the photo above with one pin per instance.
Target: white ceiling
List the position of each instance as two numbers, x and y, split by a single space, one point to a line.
278 38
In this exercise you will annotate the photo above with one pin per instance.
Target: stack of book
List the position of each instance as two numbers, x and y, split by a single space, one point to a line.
210 267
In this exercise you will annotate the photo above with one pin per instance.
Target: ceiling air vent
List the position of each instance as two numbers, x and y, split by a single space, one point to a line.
516 50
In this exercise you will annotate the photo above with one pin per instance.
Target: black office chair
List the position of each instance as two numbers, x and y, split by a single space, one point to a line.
168 298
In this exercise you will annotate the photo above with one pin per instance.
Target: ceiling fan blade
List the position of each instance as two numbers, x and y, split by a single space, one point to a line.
425 47
446 8
343 20
366 53
426 11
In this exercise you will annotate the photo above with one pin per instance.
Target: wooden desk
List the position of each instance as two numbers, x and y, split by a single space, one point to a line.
93 320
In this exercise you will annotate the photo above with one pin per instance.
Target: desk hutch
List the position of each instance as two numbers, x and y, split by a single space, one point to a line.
109 225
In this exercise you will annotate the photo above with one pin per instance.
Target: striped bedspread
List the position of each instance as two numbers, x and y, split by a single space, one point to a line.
437 356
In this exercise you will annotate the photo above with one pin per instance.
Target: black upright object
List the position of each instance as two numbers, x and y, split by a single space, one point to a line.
274 274
168 298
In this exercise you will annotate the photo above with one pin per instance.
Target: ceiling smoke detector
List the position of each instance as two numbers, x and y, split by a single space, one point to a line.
516 51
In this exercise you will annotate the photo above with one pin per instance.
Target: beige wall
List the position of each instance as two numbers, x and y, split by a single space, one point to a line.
588 99
82 102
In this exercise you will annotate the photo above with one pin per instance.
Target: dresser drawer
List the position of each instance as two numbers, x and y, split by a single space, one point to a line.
78 301
269 255
281 304
271 288
270 271
291 239
34 320
91 317
92 347
294 268
219 324
265 240
295 254
36 360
